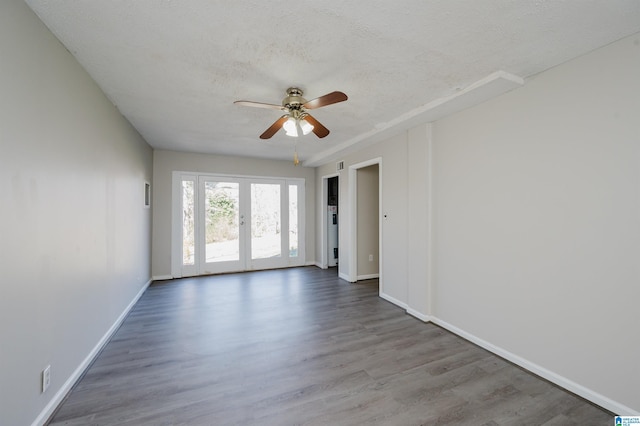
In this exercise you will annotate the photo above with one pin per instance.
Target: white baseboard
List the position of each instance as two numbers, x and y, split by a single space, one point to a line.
419 315
345 277
368 277
318 264
161 277
393 300
559 380
66 387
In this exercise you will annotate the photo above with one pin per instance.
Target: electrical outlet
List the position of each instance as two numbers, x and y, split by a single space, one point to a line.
46 378
370 258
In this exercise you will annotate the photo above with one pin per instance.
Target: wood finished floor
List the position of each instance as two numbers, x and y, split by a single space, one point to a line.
299 346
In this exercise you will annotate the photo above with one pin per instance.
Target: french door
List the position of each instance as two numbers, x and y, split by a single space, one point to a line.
231 223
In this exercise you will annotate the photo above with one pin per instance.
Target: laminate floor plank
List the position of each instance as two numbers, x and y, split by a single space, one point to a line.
301 347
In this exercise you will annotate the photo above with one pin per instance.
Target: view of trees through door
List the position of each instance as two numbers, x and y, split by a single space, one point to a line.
237 223
222 236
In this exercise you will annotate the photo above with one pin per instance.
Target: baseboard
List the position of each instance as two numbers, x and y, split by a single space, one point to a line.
393 300
161 277
368 277
318 264
419 315
345 277
50 408
559 380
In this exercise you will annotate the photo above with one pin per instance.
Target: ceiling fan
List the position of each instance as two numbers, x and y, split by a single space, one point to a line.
297 121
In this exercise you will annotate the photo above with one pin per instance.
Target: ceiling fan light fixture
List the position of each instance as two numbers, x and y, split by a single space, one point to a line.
305 126
296 121
290 127
296 127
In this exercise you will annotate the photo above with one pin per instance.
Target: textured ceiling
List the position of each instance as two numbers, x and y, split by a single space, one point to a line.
174 67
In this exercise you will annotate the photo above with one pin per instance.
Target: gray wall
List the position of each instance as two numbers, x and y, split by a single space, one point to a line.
75 236
537 222
165 162
516 223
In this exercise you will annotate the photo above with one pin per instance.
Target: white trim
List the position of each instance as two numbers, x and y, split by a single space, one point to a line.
345 277
324 194
489 87
559 380
368 277
57 399
430 233
393 300
422 317
161 277
352 229
381 285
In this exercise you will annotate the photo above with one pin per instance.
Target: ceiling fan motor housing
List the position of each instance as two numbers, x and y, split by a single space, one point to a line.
294 99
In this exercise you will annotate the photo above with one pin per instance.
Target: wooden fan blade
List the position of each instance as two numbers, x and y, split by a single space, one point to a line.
318 128
274 127
259 105
328 99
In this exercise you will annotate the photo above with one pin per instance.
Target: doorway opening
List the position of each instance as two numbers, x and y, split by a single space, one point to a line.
368 223
332 222
365 227
328 207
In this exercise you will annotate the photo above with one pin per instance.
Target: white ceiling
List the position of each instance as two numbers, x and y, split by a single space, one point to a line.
174 67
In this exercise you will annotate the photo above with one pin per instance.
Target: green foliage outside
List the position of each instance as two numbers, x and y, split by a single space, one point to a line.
221 217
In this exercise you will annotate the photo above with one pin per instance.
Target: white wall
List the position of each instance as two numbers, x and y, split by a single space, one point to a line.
75 237
537 223
165 162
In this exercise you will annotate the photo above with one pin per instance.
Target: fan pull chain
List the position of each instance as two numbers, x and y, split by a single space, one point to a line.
296 161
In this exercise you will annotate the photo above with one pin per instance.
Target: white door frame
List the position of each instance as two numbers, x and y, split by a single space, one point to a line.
352 274
176 219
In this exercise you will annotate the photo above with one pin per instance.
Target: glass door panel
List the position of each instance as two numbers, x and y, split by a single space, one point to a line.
293 221
221 232
266 225
188 196
188 223
222 221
